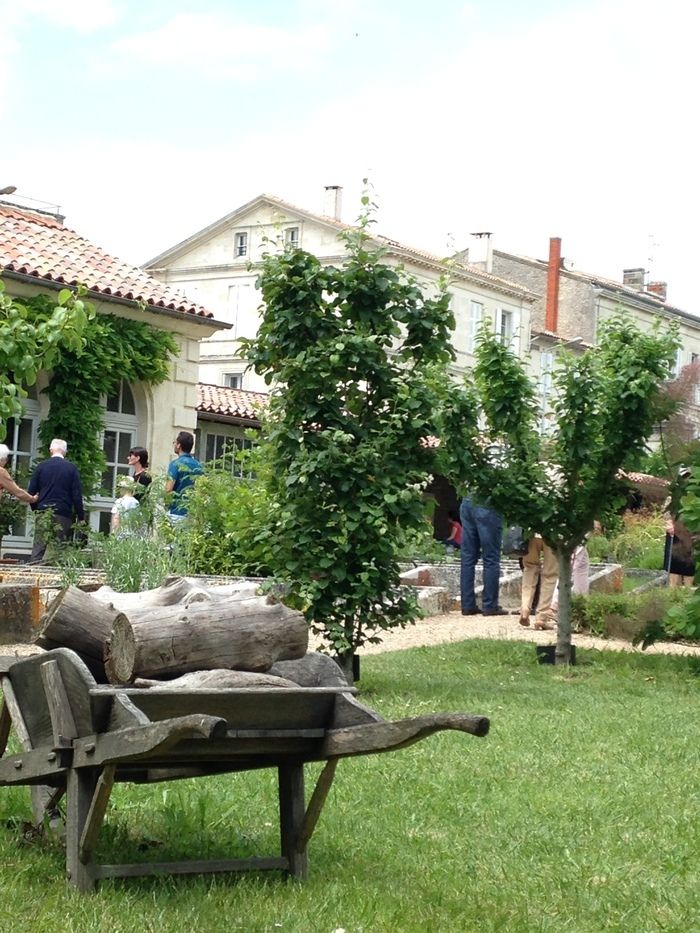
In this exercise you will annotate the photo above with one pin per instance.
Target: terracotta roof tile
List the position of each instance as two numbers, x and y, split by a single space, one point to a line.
231 403
38 245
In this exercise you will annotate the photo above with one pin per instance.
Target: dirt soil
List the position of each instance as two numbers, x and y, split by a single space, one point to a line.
453 626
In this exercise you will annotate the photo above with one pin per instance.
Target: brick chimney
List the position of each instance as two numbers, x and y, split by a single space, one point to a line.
332 201
634 278
658 289
551 314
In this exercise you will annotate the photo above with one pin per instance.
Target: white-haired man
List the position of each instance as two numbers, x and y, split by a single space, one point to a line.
7 483
57 483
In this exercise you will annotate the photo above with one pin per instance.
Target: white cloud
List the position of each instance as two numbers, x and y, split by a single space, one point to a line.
217 43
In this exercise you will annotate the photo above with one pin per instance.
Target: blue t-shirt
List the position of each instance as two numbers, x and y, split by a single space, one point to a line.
184 470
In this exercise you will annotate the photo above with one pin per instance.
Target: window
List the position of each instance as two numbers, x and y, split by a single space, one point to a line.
477 316
119 436
228 450
508 328
233 380
678 364
546 365
241 297
291 237
241 244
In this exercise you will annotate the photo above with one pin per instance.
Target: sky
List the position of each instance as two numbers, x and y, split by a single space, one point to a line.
146 121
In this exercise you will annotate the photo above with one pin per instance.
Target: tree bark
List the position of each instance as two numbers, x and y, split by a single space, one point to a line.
174 591
232 633
562 654
76 620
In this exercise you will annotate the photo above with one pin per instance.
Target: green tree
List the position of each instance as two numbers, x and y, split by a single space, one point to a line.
29 343
348 350
558 482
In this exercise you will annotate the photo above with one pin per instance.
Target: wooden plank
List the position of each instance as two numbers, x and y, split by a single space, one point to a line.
31 767
96 813
18 723
318 799
5 723
142 741
305 708
291 804
193 867
62 721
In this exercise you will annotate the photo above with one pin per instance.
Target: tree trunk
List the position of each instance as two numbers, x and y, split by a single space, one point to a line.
233 633
562 654
76 620
175 591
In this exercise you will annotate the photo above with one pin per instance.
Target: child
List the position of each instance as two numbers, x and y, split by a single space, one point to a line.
124 504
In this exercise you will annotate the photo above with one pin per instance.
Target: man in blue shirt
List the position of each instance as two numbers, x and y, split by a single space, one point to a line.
56 481
182 472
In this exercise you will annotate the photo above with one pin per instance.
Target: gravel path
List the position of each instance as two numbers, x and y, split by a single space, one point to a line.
453 626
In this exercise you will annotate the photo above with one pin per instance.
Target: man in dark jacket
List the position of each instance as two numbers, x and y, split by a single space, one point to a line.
57 483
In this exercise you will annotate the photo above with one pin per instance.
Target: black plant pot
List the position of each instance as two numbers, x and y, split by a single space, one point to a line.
355 666
545 654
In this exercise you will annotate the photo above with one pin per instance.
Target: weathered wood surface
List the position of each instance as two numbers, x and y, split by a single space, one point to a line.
85 737
78 621
216 680
237 634
175 591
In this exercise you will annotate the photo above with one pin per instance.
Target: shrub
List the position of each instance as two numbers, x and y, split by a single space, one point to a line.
628 616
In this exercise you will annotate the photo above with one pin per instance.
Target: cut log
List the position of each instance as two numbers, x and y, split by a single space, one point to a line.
175 591
77 620
216 680
234 634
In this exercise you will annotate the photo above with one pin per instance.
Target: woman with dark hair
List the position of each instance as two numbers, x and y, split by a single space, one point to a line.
137 459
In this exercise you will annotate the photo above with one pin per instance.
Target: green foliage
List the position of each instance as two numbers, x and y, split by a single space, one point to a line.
30 341
628 616
352 347
557 484
683 621
228 530
11 509
113 349
131 562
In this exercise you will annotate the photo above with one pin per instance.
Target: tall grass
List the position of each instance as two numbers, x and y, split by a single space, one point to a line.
577 813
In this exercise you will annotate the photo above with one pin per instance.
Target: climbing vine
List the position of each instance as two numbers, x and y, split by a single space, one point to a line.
113 349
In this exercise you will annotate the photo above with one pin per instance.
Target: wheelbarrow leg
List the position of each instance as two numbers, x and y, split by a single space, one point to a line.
292 809
79 794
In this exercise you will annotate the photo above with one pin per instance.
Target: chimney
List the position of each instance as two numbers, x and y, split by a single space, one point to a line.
333 201
658 289
551 314
634 278
480 254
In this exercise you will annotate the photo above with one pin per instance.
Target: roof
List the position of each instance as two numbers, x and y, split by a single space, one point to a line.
392 246
36 245
653 301
235 404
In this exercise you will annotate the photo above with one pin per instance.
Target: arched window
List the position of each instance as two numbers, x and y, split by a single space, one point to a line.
119 436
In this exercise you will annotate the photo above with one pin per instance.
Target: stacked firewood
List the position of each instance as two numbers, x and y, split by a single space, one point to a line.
179 628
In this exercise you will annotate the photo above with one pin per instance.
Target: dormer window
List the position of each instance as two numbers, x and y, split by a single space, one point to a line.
291 237
241 244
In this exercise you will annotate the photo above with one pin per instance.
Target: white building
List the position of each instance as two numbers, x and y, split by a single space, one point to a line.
219 265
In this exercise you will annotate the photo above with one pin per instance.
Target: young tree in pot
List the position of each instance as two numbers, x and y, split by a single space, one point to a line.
556 482
348 350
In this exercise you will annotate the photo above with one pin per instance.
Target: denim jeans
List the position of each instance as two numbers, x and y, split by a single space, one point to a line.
482 529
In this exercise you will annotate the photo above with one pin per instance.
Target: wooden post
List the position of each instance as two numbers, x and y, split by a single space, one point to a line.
81 787
291 798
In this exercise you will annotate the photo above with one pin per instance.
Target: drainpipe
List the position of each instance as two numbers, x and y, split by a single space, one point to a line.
551 315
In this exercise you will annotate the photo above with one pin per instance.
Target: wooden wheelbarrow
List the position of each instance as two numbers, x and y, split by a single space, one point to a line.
79 737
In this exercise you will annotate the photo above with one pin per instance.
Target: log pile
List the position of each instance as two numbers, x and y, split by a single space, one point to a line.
179 628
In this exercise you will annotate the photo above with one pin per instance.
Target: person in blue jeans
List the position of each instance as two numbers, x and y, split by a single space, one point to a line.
482 530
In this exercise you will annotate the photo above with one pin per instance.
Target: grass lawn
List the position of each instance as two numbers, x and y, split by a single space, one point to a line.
579 812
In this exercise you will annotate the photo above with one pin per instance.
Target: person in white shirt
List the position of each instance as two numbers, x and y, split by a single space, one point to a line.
124 504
